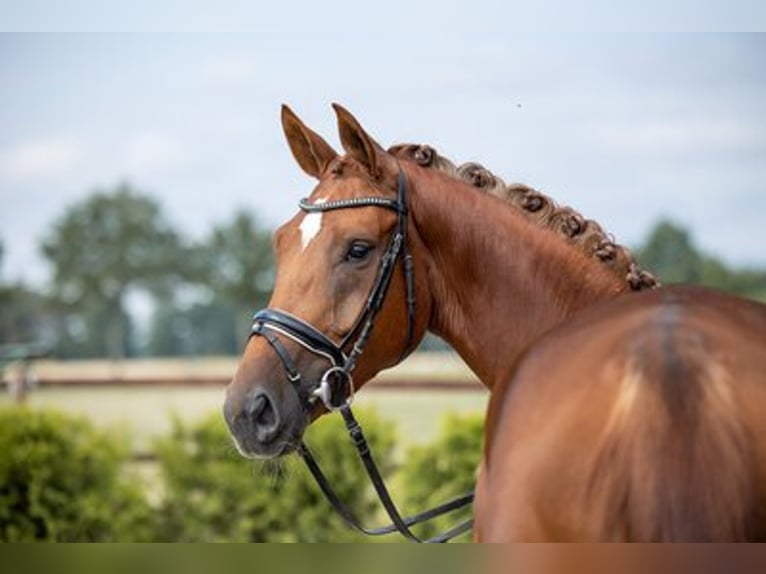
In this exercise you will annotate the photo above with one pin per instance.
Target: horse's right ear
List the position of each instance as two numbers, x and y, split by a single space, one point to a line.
311 152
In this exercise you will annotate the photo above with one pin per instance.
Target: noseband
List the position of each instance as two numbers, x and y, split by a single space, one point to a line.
336 386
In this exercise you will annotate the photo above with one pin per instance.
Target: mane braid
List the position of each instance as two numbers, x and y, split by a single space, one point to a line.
584 234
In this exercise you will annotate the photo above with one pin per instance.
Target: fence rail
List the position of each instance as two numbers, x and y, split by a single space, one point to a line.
422 371
382 384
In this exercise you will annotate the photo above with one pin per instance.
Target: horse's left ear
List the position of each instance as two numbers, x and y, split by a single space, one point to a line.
359 145
311 152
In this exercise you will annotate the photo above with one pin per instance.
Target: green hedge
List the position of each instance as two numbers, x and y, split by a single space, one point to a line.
444 469
61 480
215 494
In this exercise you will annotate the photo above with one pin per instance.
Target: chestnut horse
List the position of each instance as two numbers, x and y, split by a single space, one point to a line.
635 419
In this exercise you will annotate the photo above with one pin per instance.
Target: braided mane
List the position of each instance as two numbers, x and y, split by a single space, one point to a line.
585 234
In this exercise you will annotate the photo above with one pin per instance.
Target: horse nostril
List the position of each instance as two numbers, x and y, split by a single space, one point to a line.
264 416
254 408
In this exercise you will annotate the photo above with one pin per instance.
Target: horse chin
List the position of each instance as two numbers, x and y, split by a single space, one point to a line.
286 443
277 449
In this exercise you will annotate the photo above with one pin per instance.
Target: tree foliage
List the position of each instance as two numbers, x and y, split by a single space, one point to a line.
234 269
670 253
22 311
101 247
83 332
239 261
200 329
22 314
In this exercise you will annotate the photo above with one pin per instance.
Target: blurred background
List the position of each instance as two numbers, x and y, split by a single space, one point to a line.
141 177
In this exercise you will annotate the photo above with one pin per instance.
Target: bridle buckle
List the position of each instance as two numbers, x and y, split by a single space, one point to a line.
324 390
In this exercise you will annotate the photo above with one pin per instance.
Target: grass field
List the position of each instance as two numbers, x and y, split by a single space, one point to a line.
145 411
422 366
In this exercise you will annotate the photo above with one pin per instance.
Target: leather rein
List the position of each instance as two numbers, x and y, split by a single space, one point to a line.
336 386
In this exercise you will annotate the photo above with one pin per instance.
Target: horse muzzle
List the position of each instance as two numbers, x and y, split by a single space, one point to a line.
264 424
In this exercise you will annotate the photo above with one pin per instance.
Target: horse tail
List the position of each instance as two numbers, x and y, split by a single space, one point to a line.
676 460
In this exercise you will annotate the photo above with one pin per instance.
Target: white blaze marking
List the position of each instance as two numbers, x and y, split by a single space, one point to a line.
311 225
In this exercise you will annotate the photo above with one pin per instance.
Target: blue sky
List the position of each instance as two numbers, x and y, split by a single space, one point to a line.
626 128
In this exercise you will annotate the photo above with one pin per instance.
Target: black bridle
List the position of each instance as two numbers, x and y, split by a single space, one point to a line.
336 386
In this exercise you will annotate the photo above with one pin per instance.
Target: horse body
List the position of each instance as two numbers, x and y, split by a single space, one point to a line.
640 419
613 415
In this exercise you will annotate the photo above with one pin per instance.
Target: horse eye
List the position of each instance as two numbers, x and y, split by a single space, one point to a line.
358 251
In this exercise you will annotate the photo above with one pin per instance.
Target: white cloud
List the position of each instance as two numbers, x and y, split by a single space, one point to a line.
42 159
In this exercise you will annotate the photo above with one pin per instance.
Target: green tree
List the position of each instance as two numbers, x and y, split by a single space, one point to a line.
238 263
102 247
80 333
22 312
233 271
670 253
202 329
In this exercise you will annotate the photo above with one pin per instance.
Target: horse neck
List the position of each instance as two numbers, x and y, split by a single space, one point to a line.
497 280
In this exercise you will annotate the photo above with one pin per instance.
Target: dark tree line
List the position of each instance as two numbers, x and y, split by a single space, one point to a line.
119 242
670 253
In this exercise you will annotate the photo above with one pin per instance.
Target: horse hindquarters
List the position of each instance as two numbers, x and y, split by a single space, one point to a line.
675 464
630 425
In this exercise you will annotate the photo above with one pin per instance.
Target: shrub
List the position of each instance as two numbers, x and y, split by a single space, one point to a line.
213 494
444 469
60 481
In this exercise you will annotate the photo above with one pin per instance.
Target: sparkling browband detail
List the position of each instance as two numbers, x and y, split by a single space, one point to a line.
394 205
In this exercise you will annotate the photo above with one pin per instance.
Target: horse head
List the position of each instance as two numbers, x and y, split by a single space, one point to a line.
344 263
